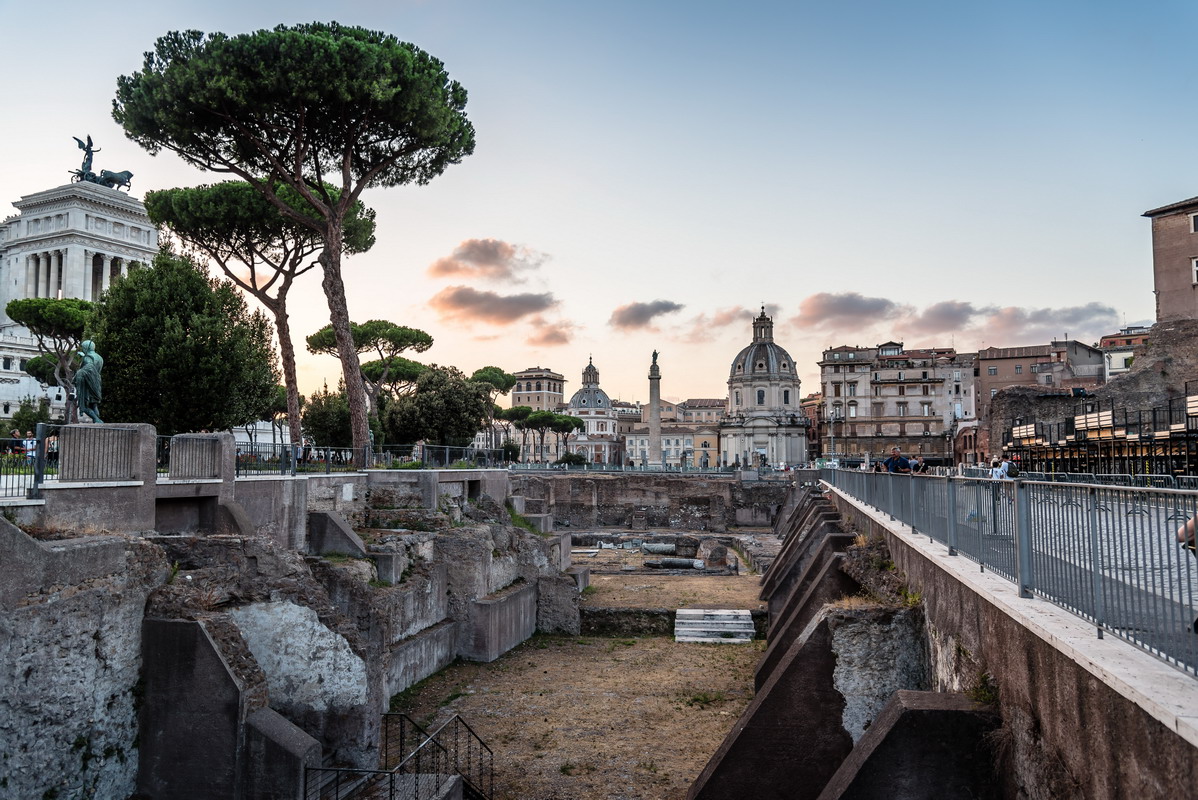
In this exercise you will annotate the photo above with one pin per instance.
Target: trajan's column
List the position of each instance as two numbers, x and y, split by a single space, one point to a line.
654 413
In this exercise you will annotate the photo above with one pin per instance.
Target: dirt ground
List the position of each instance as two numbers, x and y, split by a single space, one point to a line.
588 718
649 590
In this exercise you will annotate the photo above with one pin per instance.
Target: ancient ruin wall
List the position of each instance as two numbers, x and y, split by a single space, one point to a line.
70 659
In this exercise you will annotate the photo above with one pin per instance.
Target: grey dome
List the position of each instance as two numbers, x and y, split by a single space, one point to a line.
762 358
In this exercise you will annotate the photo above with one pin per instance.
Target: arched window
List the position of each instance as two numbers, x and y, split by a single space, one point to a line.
786 397
852 410
761 397
706 444
538 386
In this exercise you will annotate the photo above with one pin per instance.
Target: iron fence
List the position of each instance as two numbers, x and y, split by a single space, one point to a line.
1107 553
434 456
416 765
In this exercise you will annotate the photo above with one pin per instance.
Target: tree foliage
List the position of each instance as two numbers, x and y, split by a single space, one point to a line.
326 419
30 412
301 105
390 372
182 351
58 327
444 408
257 247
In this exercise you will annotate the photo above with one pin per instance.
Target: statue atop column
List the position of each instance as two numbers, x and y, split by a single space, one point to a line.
113 180
87 381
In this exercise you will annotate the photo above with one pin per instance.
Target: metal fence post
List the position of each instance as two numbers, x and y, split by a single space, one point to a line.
911 502
1096 562
1023 540
950 512
39 463
890 495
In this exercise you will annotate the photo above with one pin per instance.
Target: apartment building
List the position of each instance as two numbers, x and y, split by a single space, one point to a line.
1175 260
539 388
877 398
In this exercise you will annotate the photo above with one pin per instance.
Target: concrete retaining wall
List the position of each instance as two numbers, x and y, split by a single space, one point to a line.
413 659
277 507
1082 716
499 622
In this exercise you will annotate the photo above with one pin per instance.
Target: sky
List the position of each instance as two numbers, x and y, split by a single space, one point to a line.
648 175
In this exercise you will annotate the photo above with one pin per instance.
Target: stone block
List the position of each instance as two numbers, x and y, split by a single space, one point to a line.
557 605
203 455
276 754
328 532
922 745
191 715
803 722
413 659
94 453
581 576
499 622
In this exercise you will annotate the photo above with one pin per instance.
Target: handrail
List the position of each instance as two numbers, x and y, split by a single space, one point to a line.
1106 553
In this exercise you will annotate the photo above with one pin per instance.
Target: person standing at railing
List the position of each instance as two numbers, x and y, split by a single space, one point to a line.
1186 535
30 446
896 463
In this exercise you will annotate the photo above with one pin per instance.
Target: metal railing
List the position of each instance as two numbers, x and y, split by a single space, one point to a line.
416 764
435 456
1106 553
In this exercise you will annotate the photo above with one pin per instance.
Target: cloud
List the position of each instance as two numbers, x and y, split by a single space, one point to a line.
949 315
639 315
1012 326
488 259
550 334
853 318
850 308
464 304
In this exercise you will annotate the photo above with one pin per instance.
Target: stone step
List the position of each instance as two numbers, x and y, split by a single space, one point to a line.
712 625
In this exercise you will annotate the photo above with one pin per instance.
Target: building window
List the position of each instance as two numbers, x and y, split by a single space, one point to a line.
927 409
852 410
1193 223
761 397
7 365
852 390
852 355
24 363
1033 368
993 392
836 390
836 368
1194 270
924 375
900 376
706 445
991 370
877 391
927 389
1018 369
902 390
1047 380
902 409
836 356
786 397
738 398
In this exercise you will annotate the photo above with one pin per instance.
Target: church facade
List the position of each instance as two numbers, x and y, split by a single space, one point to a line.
764 423
66 242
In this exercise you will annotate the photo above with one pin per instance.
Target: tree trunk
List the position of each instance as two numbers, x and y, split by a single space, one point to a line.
287 354
355 389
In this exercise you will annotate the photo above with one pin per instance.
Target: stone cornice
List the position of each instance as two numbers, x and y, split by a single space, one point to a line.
86 192
59 241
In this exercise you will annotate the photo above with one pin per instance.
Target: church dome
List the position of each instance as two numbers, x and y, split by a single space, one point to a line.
763 358
590 395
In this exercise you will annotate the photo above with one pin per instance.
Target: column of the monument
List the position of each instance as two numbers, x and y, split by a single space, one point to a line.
655 413
106 276
72 276
43 274
30 275
55 273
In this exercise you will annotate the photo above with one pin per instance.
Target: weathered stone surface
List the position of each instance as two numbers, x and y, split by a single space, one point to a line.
557 605
70 656
308 667
651 501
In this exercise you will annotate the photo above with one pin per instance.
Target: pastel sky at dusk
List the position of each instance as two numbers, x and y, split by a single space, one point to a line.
648 174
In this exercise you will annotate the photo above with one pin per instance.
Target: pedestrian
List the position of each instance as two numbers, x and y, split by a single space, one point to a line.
897 464
1185 535
30 445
